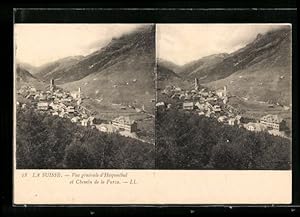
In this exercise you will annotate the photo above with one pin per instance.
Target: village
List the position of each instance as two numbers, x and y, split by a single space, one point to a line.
201 101
214 104
58 102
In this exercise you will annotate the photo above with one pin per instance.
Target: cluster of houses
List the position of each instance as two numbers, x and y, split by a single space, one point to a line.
273 124
58 102
205 102
64 104
214 104
122 125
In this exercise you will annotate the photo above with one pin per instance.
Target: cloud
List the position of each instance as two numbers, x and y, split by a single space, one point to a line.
37 44
182 43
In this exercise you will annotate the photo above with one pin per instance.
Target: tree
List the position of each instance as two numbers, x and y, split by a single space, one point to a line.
188 141
77 156
47 142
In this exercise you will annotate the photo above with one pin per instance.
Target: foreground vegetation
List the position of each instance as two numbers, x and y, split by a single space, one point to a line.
48 142
189 141
183 141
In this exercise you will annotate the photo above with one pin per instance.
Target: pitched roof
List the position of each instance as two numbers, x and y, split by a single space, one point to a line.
188 104
43 104
124 120
272 118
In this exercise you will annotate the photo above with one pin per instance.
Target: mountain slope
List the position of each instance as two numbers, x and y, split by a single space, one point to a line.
121 72
269 50
24 77
164 73
200 68
28 67
120 50
166 76
260 71
57 68
168 64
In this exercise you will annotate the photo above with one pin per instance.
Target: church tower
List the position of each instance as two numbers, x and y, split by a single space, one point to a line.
52 85
225 90
79 92
196 84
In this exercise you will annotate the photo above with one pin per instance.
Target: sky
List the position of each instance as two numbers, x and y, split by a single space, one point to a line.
38 44
183 43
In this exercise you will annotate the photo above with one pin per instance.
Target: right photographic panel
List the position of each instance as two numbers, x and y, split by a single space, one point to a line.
224 96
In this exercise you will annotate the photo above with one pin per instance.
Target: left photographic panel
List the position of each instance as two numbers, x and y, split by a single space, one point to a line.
84 96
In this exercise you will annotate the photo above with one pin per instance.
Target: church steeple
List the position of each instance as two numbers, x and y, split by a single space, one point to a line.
52 85
196 84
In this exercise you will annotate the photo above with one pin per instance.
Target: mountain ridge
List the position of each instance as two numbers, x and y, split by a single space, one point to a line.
265 68
260 71
24 77
112 53
121 72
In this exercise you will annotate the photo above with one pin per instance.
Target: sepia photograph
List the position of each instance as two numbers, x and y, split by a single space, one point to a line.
153 96
85 96
224 96
153 107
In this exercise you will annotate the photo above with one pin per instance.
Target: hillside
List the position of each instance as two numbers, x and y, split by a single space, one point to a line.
201 68
189 141
24 77
165 73
124 51
57 68
41 144
168 64
269 50
260 71
28 67
121 72
166 76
